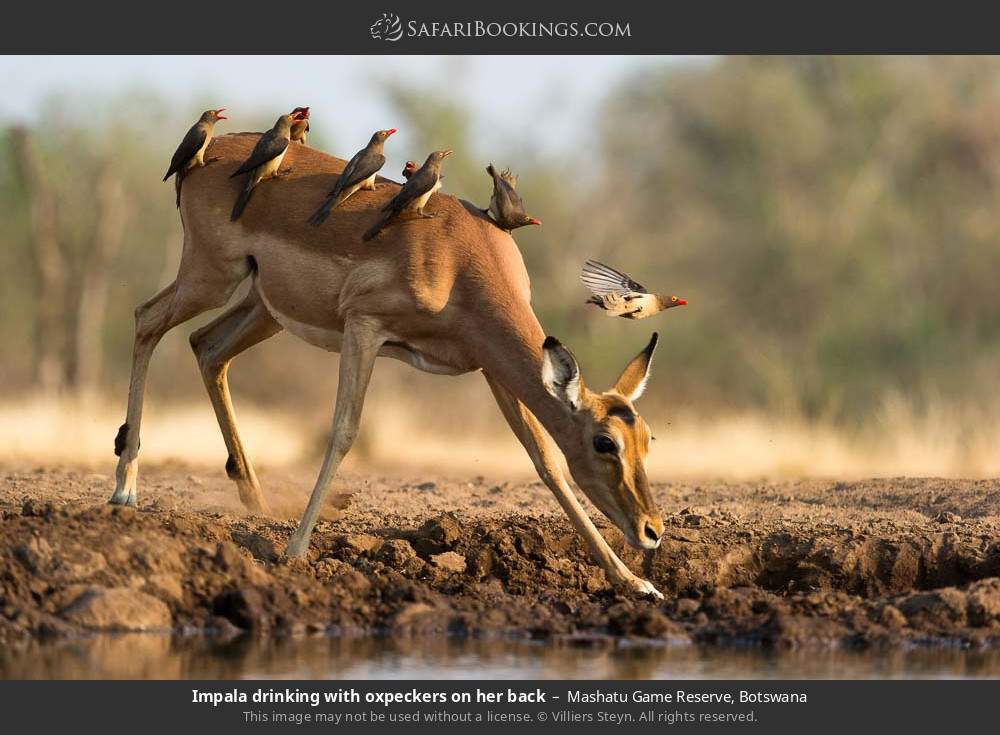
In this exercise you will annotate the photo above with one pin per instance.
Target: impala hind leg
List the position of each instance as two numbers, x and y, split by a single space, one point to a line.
545 456
172 306
215 345
359 348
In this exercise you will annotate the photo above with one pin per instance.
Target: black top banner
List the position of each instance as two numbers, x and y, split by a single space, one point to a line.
511 27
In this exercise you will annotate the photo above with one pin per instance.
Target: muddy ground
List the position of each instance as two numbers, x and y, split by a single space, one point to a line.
804 563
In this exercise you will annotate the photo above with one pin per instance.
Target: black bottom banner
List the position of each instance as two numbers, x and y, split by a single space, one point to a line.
496 706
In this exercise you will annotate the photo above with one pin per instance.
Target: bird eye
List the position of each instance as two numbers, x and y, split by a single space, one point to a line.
673 298
604 444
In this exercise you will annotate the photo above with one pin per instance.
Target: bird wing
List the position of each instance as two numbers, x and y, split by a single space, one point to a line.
193 140
603 280
271 145
359 168
421 182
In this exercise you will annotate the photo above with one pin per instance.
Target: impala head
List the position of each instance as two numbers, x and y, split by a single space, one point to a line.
607 455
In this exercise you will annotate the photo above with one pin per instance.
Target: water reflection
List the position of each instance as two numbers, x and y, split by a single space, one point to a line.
148 656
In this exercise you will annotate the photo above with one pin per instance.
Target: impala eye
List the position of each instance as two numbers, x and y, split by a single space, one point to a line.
604 444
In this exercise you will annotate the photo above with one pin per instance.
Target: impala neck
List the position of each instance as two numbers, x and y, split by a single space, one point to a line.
512 355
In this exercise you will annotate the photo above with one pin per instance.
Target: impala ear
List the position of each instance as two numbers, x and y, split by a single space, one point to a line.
632 382
560 373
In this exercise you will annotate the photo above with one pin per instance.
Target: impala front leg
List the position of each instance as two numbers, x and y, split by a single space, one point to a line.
543 453
359 348
154 318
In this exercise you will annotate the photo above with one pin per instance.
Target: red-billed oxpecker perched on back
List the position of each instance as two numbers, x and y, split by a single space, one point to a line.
414 195
506 207
619 295
191 151
410 168
359 173
264 161
300 125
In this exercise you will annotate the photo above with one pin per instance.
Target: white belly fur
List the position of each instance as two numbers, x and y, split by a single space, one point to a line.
368 183
331 341
198 159
269 169
327 339
420 202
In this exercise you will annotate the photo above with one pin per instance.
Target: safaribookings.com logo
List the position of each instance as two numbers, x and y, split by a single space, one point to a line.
387 28
390 28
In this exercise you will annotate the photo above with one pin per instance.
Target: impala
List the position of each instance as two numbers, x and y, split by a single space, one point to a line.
447 295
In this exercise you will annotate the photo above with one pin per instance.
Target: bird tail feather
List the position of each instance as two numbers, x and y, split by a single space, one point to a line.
241 201
377 227
241 170
331 203
320 215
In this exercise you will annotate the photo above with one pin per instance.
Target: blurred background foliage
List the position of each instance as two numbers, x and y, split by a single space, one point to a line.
833 223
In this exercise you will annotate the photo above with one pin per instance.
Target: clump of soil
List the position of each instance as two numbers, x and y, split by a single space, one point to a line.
833 564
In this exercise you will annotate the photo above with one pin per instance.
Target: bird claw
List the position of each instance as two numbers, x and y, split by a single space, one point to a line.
213 159
428 215
283 173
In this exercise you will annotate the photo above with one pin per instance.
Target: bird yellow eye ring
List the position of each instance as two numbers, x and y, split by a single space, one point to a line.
673 298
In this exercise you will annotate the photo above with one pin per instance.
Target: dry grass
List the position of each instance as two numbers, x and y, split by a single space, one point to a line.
743 446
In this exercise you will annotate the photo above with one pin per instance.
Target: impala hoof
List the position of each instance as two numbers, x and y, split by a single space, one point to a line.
646 589
123 498
640 587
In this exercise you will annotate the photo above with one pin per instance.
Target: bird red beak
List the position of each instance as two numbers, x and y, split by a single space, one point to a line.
447 153
682 302
389 132
533 221
219 115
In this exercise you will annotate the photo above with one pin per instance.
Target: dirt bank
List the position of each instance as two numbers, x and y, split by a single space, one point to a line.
879 562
